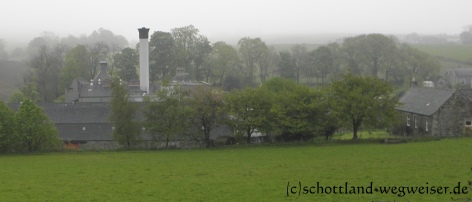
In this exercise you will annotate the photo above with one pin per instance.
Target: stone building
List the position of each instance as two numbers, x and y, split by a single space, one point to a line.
97 90
435 112
459 77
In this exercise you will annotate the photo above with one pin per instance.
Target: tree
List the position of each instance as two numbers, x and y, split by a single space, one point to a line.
97 53
231 82
323 62
252 51
295 113
248 110
75 66
185 39
29 90
161 55
286 66
123 115
363 101
352 56
7 128
207 106
47 65
3 53
300 55
466 35
223 59
268 63
34 129
201 54
126 63
169 115
377 50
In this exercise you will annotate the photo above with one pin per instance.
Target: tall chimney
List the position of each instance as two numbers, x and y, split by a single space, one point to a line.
144 59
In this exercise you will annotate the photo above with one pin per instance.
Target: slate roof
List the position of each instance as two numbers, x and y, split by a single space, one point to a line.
100 85
467 93
460 71
425 101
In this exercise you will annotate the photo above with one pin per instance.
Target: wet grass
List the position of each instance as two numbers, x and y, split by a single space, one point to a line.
243 173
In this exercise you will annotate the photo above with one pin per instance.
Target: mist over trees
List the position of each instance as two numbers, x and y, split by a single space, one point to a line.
56 61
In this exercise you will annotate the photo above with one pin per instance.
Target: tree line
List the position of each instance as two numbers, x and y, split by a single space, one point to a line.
56 62
280 109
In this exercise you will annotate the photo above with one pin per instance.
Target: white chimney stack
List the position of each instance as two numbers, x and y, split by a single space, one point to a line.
144 59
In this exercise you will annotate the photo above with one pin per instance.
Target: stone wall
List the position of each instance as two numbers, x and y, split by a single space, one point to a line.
450 118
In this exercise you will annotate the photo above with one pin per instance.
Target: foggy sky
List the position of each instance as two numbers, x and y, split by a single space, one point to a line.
22 20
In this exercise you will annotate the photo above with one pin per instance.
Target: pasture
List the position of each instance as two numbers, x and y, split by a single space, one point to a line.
240 173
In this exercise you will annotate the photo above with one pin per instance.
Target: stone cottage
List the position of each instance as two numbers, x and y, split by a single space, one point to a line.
435 112
459 77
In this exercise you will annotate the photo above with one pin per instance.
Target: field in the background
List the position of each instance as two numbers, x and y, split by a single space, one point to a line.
460 53
254 173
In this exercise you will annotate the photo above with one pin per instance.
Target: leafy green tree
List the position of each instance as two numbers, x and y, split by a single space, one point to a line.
126 63
268 64
352 56
377 50
300 55
75 66
231 82
7 128
323 62
191 50
252 52
98 52
363 101
286 66
207 106
296 113
161 55
47 64
27 91
123 115
223 59
201 54
169 115
248 110
35 132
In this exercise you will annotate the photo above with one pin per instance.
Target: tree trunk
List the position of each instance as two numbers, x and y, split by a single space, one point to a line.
355 128
167 141
248 139
207 139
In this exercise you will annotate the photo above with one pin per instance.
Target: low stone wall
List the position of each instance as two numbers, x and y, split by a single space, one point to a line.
94 145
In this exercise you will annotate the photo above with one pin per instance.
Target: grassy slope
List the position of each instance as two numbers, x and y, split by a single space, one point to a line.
11 75
457 52
235 174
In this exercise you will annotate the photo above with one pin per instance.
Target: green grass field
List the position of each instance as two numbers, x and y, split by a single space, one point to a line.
242 173
456 52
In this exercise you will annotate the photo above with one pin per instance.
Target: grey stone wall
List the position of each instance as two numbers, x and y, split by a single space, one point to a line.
450 118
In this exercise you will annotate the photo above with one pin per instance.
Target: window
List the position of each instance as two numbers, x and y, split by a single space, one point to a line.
468 123
426 126
462 81
414 120
407 120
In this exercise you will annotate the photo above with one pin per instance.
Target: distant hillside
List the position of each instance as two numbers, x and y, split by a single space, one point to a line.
449 54
11 76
